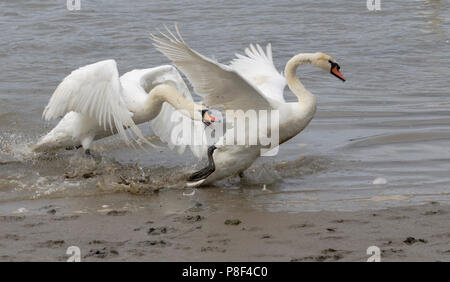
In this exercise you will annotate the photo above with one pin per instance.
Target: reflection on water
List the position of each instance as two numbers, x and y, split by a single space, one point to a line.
391 119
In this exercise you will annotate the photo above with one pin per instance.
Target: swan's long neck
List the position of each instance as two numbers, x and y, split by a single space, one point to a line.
296 116
166 93
294 84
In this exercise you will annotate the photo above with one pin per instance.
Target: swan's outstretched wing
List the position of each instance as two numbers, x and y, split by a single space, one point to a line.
95 91
258 68
220 85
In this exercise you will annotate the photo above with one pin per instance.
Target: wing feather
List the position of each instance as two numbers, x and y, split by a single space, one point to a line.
258 67
220 85
95 90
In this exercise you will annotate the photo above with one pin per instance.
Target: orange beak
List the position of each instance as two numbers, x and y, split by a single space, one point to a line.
209 117
335 71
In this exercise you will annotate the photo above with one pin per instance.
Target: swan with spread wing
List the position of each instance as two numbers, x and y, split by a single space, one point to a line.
249 83
97 103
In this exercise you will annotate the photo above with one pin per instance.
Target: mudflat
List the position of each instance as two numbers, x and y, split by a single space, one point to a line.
199 231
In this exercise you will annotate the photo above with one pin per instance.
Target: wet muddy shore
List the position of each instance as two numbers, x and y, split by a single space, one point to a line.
192 230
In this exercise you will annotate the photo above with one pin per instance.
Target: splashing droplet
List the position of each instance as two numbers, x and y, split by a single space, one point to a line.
379 181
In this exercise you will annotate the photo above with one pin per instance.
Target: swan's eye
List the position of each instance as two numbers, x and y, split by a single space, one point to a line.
335 70
207 117
334 64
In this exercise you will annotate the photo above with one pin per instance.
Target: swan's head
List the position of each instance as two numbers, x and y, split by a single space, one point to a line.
328 64
207 117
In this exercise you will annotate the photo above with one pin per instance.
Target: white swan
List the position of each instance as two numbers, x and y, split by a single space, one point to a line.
249 82
98 103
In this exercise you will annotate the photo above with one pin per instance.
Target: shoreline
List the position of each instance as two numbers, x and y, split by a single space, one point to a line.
166 231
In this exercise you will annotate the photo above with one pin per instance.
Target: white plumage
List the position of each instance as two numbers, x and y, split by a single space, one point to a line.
258 68
220 85
97 103
249 83
94 91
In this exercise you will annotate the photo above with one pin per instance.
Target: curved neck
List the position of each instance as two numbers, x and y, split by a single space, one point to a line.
294 84
302 112
166 93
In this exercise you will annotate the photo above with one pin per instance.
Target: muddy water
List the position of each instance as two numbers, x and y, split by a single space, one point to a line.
390 120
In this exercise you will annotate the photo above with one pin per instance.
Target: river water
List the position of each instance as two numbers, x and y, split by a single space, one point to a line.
390 120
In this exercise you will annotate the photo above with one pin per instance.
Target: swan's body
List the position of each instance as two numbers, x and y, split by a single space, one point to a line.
97 103
249 82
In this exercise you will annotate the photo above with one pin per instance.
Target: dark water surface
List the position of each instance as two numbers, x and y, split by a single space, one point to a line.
391 119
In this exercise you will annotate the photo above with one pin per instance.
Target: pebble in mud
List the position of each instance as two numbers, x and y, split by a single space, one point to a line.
47 207
67 217
328 251
436 212
223 242
198 207
117 213
232 222
88 175
412 240
318 258
189 219
159 230
392 252
213 249
51 244
301 225
102 253
155 243
52 211
95 242
388 243
329 254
